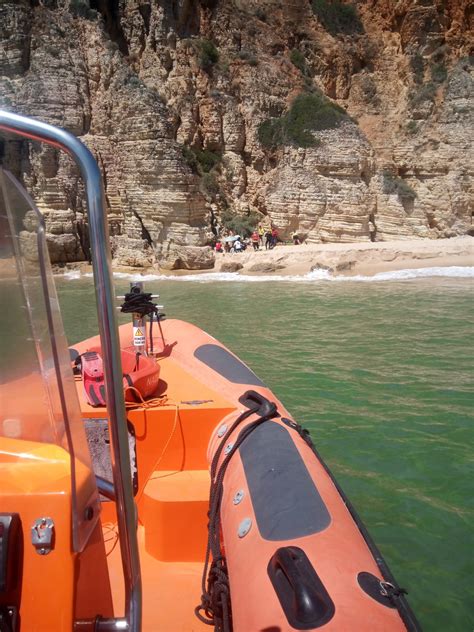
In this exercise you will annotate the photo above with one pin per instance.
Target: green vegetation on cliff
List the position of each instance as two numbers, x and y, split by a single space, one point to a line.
337 17
200 160
425 92
392 184
308 113
203 163
208 54
242 225
297 59
439 73
418 67
81 8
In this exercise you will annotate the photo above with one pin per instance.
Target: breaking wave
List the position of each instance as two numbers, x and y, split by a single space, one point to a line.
73 274
316 275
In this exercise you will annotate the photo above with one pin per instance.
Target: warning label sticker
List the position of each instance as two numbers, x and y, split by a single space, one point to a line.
138 337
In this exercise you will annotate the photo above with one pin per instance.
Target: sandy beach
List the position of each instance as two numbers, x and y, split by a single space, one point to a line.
341 259
349 259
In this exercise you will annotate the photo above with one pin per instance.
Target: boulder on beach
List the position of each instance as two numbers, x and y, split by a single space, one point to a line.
231 266
265 266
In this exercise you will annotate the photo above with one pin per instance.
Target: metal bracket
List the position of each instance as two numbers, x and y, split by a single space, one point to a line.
8 618
238 497
42 535
222 430
244 527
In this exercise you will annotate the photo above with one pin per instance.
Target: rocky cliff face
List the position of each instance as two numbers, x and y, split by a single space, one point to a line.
172 97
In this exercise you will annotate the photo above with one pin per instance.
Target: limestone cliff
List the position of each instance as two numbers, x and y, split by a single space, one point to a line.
173 96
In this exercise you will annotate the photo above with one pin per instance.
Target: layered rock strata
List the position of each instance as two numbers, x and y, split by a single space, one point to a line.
170 98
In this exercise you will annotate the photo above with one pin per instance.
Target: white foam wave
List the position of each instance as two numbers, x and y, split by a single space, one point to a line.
316 275
207 277
414 273
72 274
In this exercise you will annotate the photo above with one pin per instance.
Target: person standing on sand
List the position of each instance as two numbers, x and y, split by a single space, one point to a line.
268 240
237 245
295 238
261 233
274 237
255 240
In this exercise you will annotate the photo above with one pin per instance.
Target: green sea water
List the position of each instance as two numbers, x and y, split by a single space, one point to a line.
382 375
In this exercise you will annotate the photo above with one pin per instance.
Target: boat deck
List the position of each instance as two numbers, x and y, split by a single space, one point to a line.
172 435
171 590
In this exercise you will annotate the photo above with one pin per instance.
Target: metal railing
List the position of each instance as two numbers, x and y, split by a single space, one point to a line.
109 339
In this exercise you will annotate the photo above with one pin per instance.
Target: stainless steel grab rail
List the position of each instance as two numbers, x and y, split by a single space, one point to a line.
109 339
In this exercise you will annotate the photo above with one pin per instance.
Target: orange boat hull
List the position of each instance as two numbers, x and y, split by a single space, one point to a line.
280 512
175 443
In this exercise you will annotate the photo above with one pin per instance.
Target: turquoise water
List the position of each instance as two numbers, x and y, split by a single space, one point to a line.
381 373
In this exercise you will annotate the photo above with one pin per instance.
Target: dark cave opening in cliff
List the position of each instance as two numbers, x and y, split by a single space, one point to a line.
145 235
110 11
372 228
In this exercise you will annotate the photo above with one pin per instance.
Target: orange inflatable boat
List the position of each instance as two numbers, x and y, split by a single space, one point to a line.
202 502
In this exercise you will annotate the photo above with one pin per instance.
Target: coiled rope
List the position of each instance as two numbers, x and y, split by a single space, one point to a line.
215 598
154 402
141 303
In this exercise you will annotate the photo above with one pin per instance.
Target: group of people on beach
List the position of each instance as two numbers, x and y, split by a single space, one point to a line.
260 237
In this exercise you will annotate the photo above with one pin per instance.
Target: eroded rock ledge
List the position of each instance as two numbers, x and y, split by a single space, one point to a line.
135 85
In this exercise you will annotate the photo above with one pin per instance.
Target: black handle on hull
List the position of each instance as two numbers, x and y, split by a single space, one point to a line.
303 597
252 399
